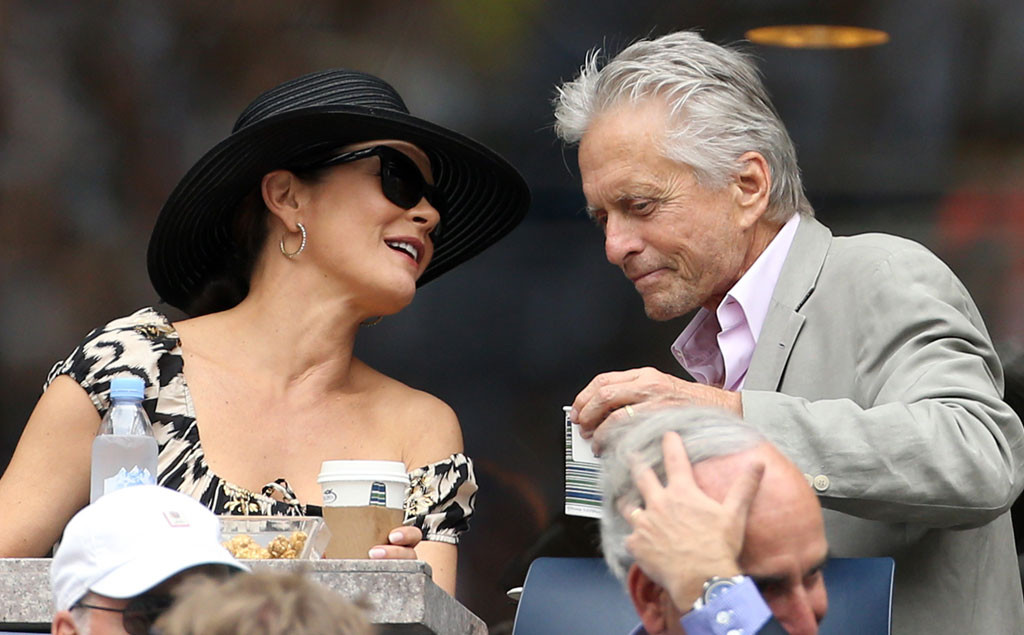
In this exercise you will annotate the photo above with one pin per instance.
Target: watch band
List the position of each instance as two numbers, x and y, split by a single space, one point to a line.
714 587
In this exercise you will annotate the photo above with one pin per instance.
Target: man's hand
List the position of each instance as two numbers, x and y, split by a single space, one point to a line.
682 536
606 396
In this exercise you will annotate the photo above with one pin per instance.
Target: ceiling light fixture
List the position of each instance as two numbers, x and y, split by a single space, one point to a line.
817 36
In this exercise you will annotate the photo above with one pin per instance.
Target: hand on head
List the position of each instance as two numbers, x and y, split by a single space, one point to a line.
682 536
728 502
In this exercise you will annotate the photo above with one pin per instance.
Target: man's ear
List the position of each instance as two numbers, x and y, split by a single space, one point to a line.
63 624
752 183
283 194
646 595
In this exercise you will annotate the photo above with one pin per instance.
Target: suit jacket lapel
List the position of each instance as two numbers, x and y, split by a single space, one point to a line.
797 280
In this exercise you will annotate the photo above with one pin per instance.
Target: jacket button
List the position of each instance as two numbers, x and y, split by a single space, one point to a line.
821 482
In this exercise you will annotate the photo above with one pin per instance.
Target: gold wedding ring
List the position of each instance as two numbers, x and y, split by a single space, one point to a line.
629 410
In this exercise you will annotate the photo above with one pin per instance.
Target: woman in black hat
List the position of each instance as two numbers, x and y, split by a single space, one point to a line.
323 210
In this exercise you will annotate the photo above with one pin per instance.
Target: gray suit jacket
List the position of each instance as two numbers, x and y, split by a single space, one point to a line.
875 374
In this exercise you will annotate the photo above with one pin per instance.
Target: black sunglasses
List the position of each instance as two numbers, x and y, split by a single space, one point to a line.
139 614
400 179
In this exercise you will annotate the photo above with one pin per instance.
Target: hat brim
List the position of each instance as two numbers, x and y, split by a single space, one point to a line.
191 241
139 575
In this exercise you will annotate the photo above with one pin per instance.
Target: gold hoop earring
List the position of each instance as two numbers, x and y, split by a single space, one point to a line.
302 245
372 321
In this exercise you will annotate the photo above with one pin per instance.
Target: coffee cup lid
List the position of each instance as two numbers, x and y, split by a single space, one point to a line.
358 470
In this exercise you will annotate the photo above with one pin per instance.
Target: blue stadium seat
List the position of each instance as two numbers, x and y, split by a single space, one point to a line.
580 595
573 595
859 596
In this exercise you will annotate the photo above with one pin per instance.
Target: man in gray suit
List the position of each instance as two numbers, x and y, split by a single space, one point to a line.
863 359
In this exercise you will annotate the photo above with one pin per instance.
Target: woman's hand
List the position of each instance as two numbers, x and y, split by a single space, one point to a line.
402 544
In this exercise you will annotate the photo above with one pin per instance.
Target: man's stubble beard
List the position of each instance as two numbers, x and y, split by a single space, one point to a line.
668 304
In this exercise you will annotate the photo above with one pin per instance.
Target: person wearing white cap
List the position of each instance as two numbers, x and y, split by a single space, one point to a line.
120 557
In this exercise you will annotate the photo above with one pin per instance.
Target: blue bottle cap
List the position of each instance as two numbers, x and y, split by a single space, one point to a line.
127 387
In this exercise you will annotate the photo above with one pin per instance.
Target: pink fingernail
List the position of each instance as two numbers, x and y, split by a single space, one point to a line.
394 536
377 553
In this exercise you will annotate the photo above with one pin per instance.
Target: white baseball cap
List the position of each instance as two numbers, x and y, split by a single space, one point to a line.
131 540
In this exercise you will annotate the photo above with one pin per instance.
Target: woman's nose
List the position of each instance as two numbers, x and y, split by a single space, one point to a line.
425 214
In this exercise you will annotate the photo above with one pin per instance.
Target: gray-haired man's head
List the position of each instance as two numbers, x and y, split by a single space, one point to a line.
707 433
719 109
784 546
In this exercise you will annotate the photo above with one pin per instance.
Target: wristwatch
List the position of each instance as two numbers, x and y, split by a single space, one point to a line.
714 587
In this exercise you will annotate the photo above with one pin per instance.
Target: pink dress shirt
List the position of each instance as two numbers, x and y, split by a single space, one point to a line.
715 348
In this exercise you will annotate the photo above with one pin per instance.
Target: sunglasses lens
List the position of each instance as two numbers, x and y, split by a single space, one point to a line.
401 180
143 611
138 624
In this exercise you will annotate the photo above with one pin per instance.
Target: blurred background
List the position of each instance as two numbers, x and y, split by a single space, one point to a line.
105 104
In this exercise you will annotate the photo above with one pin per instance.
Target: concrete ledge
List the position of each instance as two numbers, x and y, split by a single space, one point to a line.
403 597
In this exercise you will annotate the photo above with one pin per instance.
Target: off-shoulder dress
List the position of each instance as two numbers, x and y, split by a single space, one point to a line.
441 495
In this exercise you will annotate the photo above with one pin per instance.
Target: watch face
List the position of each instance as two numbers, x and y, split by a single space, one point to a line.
716 586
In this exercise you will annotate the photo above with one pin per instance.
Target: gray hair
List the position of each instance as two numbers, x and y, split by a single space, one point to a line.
718 110
706 432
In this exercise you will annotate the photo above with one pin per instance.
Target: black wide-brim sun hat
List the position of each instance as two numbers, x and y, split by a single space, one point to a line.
192 240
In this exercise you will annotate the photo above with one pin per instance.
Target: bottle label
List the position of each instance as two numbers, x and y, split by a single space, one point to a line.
128 478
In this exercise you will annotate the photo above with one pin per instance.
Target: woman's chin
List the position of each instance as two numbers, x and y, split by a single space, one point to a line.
397 300
383 295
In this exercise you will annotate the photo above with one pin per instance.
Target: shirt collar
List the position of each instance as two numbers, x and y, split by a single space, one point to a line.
696 348
753 292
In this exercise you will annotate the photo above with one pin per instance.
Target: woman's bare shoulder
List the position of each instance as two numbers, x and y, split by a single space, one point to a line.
412 404
429 425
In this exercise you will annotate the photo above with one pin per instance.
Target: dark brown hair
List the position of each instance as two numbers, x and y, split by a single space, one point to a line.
249 228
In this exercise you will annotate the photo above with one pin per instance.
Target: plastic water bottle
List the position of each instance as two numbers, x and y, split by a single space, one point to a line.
124 450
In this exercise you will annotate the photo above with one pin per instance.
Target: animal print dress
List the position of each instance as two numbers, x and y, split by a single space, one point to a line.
439 500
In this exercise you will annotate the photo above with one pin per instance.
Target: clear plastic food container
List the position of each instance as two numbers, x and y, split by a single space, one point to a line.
286 537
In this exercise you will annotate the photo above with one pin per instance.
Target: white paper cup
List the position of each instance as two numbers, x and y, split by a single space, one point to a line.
363 501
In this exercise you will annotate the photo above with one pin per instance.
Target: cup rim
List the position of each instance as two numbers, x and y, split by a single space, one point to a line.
362 470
